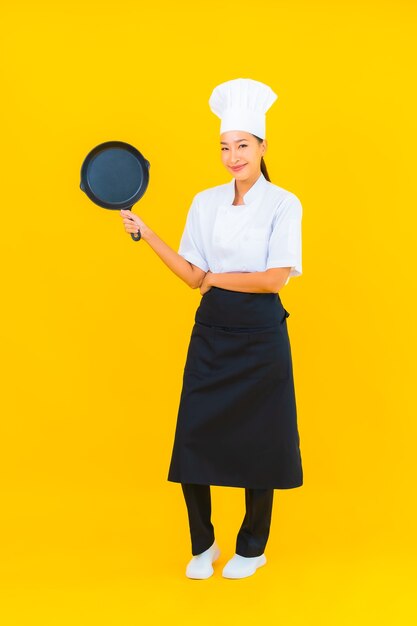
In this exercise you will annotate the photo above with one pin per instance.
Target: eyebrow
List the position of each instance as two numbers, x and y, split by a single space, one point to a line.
236 141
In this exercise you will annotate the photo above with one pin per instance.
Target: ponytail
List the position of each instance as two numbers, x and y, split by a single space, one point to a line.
263 166
264 170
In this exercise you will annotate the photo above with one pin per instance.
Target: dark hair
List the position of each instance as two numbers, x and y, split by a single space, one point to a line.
263 166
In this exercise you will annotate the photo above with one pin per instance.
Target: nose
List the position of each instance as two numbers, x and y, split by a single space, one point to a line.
234 158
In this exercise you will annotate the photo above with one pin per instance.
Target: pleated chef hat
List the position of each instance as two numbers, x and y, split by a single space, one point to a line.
241 104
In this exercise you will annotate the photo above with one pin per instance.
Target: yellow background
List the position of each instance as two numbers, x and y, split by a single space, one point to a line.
95 327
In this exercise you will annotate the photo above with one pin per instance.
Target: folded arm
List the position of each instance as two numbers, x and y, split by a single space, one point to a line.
269 281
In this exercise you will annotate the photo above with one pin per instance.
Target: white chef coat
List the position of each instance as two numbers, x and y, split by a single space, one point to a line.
262 233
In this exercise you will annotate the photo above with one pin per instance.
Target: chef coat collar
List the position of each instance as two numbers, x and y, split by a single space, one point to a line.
252 194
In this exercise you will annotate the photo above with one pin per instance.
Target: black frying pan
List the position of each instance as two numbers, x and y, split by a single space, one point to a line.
115 175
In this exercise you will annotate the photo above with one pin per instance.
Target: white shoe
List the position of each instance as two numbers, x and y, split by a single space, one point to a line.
200 565
243 566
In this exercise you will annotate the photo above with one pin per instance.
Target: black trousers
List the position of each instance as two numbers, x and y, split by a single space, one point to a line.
254 531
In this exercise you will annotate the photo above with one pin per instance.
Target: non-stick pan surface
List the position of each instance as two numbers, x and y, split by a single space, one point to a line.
115 175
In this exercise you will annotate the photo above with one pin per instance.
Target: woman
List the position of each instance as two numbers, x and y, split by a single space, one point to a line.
237 418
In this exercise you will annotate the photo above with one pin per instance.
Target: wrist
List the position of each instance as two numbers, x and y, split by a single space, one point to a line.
146 233
211 279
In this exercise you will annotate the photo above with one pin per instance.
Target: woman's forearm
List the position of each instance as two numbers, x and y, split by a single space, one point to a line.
249 282
180 266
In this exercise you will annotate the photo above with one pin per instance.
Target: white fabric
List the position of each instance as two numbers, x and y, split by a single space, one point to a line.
262 233
241 104
201 565
242 566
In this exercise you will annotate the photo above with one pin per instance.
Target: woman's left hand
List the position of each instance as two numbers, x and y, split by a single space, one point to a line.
206 284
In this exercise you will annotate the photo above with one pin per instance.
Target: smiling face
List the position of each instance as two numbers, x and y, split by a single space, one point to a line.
239 148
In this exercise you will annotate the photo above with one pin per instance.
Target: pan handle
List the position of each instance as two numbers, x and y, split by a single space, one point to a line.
135 236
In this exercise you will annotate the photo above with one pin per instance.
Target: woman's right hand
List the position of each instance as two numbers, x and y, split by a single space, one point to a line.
189 273
133 223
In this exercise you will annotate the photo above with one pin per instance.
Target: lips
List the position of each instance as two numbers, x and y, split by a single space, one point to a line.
237 169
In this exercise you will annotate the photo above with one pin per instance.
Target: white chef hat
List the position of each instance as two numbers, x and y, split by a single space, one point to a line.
241 104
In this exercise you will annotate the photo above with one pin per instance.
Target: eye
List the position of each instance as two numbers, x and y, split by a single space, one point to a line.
242 145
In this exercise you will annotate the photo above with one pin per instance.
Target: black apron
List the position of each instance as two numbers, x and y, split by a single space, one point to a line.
237 417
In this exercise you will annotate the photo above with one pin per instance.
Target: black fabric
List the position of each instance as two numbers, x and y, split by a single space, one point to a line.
237 417
198 501
254 531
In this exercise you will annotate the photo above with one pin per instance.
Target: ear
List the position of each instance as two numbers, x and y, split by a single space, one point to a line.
265 143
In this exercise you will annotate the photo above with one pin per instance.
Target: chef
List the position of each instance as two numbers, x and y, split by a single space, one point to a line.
237 419
237 423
